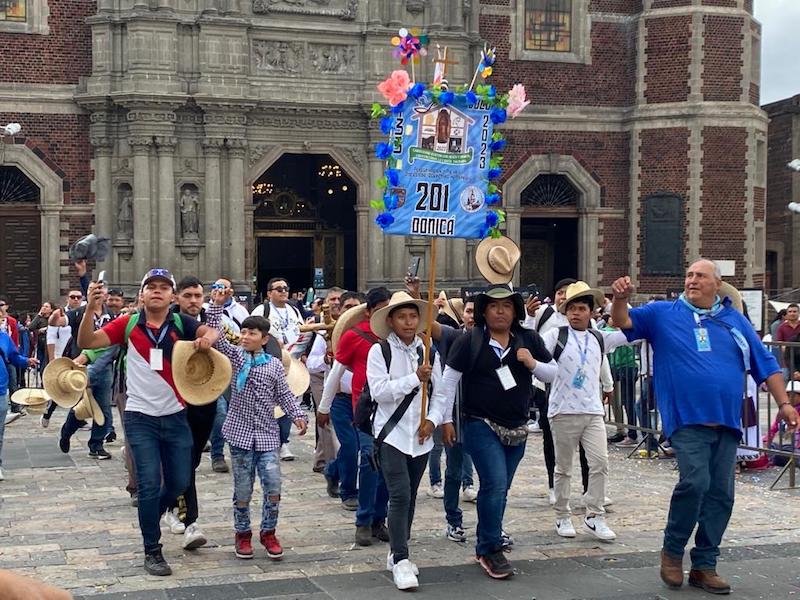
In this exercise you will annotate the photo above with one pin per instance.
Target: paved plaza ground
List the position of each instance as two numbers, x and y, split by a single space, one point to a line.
67 520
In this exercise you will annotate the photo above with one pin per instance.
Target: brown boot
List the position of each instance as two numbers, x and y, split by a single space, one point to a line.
709 581
671 570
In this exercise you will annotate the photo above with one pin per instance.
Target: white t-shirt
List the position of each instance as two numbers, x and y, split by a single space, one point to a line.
565 396
59 337
284 322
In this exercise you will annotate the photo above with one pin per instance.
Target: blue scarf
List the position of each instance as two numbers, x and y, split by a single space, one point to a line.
255 360
713 311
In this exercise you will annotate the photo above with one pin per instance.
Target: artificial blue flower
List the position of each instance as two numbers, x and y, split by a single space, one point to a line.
387 123
497 145
383 150
397 109
472 97
498 115
384 220
391 202
484 231
492 219
393 175
447 98
416 91
494 173
492 199
492 93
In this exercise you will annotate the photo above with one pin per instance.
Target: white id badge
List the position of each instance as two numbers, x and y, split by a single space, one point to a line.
506 378
156 359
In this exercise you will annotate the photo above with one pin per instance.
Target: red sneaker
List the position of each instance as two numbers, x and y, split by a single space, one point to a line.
244 549
271 543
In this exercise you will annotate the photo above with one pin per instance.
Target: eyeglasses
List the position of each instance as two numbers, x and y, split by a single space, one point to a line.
2 304
280 288
74 297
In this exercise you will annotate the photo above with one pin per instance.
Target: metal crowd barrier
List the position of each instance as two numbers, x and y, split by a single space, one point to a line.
634 408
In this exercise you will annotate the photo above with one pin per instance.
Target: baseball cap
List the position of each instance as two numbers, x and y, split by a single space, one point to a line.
158 274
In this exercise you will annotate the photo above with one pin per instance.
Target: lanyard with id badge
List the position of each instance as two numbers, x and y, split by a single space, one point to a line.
504 374
580 375
701 337
156 353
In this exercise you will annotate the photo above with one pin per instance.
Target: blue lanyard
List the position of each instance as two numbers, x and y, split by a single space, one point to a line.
161 334
585 350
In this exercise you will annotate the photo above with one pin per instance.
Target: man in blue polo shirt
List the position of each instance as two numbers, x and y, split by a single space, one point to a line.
703 351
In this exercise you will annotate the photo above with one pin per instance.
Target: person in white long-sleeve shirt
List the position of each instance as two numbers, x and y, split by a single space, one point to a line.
403 433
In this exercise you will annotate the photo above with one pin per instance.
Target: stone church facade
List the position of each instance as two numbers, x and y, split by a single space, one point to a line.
151 121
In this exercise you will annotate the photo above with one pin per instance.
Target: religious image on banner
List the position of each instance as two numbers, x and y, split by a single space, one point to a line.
442 154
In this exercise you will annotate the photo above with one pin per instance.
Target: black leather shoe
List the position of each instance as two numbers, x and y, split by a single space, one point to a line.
155 564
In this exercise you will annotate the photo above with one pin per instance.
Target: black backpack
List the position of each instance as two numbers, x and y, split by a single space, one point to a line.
563 336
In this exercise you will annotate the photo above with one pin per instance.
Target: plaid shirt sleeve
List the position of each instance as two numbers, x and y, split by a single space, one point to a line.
234 353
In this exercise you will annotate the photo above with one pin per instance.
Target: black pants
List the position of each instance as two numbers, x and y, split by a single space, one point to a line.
540 399
201 422
402 474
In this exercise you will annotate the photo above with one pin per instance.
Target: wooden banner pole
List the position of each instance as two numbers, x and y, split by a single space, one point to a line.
431 292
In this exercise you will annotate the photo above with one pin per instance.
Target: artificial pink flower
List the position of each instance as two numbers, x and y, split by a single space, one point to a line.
395 89
516 100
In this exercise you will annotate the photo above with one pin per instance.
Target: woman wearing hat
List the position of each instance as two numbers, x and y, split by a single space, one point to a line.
10 356
495 361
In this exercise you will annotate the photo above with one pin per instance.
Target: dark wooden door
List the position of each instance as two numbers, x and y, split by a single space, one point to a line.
20 258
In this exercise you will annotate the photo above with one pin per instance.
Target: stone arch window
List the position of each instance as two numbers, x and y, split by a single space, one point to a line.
549 190
24 16
16 187
551 31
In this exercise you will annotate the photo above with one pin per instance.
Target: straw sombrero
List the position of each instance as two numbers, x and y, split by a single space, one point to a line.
578 290
200 377
35 399
297 375
346 321
88 408
377 322
726 289
453 308
65 381
497 258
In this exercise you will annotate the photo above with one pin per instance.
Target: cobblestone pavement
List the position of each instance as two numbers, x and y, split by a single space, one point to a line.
68 521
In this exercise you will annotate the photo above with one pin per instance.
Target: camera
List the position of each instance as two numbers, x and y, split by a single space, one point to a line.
530 291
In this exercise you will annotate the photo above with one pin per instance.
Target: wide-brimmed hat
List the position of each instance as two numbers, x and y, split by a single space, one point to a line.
88 408
578 290
499 291
453 308
726 289
346 321
90 247
297 375
378 324
200 377
65 381
497 258
35 399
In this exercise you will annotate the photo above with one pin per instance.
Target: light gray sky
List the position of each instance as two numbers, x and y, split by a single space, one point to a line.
780 48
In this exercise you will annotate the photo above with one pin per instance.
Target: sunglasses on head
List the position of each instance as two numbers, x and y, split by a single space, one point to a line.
280 288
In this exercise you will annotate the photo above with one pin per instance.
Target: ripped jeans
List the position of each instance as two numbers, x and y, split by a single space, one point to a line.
245 464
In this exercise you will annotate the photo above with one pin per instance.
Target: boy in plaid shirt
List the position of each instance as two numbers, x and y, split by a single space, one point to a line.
251 430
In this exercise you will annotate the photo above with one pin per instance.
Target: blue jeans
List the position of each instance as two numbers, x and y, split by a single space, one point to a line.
434 462
704 494
245 463
373 497
344 468
496 465
285 427
217 441
160 445
100 382
3 412
453 478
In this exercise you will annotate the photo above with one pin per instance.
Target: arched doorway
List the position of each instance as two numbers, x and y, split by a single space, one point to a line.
305 223
549 231
20 240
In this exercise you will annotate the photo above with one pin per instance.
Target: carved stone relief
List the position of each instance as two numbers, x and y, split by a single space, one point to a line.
278 57
333 58
296 58
343 9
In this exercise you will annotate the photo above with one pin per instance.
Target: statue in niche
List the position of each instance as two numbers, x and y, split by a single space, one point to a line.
125 213
189 205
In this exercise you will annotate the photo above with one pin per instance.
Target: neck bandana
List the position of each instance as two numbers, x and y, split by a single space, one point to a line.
255 360
713 311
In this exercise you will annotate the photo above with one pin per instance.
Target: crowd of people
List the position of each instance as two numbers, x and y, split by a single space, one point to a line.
499 367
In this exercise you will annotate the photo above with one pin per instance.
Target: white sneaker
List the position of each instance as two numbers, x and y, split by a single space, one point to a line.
390 564
44 421
564 527
173 522
403 575
436 491
285 453
12 416
2 477
469 494
533 427
607 501
551 496
596 525
193 537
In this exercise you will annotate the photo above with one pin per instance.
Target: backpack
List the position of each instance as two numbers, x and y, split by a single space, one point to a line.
563 336
134 320
549 311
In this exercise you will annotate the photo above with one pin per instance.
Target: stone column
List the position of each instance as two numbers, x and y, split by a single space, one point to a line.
514 231
437 14
213 209
237 150
396 10
165 146
104 214
142 208
374 249
456 15
375 18
474 20
458 259
363 227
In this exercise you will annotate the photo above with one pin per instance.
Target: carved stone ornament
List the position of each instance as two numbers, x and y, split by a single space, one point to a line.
289 123
189 207
273 56
415 7
333 58
359 156
125 212
343 9
257 151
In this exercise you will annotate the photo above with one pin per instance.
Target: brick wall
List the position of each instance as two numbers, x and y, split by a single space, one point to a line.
722 59
668 59
608 81
615 250
671 3
723 196
60 57
664 163
723 3
624 7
